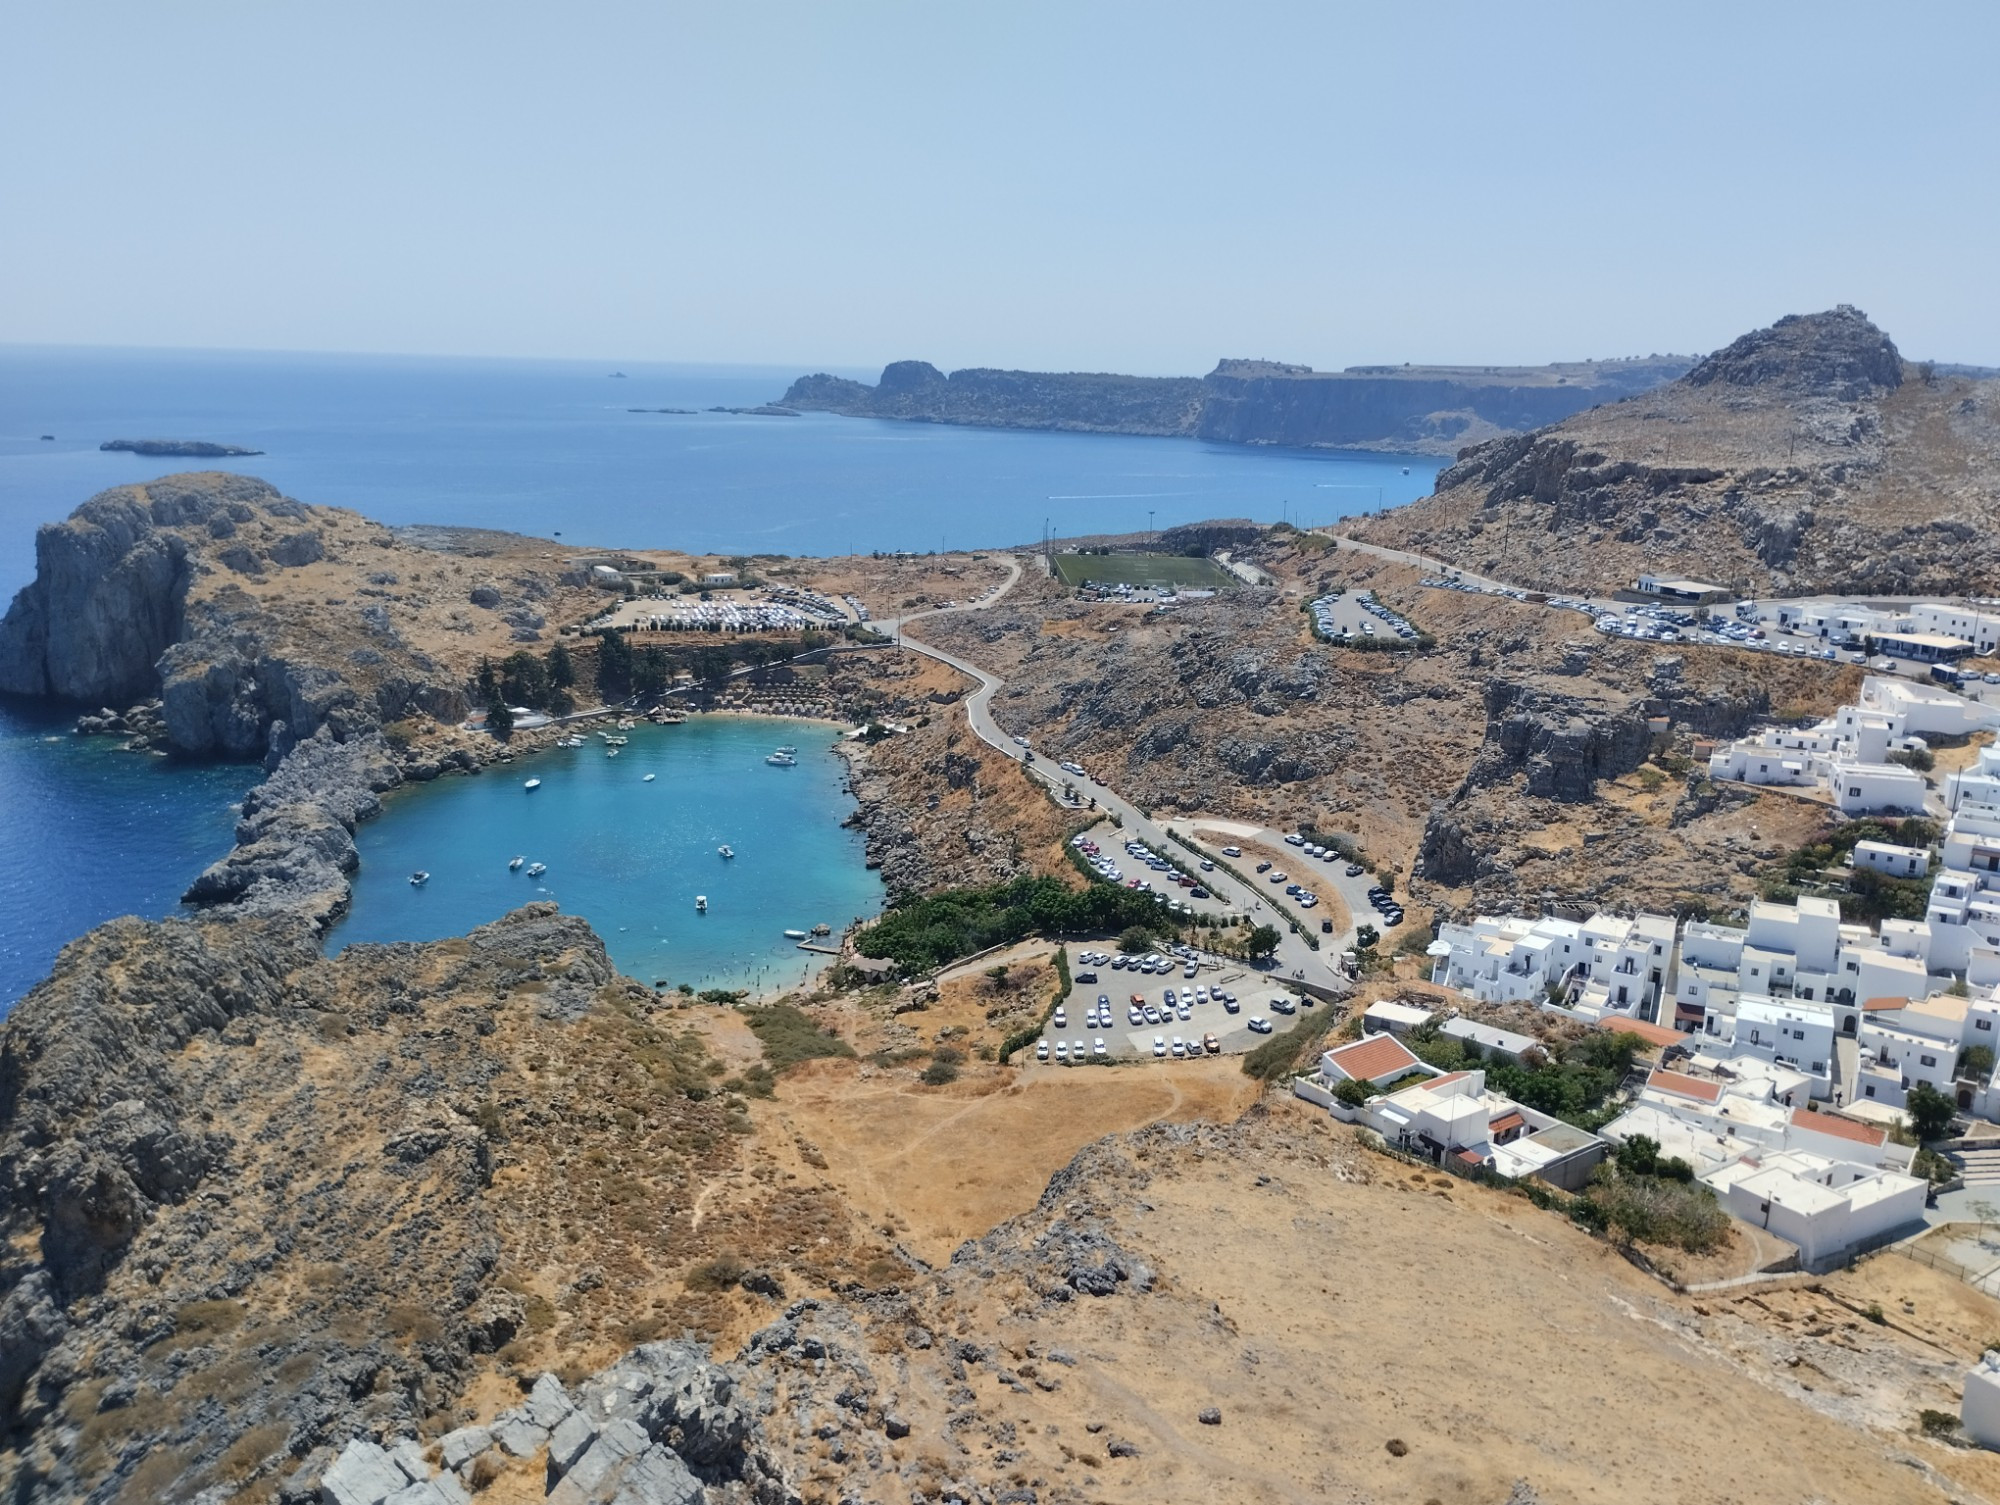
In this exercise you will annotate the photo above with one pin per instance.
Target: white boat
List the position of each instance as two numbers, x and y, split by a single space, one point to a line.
701 903
782 760
795 935
515 865
532 785
536 869
610 752
724 851
419 878
790 752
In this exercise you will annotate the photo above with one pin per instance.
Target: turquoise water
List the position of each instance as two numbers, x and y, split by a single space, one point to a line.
630 856
92 833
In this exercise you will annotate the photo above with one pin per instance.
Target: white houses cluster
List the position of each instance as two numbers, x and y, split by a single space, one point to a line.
689 615
1849 753
1929 632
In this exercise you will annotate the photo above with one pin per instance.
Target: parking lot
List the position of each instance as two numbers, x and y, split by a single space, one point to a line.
1358 614
1202 1006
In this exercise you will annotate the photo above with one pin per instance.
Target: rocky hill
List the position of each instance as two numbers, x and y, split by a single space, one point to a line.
1809 456
1419 409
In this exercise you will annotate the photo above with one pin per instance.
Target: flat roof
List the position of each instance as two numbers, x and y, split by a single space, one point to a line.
1668 583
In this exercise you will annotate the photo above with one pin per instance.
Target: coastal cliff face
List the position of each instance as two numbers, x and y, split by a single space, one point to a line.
1419 409
1808 456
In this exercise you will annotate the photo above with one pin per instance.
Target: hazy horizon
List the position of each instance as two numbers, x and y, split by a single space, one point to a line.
1118 188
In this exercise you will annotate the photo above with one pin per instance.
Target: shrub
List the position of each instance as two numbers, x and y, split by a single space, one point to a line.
789 1036
1278 1057
1658 1209
939 1073
1135 940
1354 1093
719 1274
921 934
1937 1423
1931 1112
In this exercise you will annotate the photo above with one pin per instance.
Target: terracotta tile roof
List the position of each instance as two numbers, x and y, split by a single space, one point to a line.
1469 1158
1374 1058
1652 1034
1685 1086
1883 1005
1508 1120
1449 1076
1840 1128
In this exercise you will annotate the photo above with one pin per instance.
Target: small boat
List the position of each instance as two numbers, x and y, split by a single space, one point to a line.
1406 470
536 869
515 865
648 778
701 903
724 851
532 785
782 760
419 878
610 752
790 752
822 929
795 935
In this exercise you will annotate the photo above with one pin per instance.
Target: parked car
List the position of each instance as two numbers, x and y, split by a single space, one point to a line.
1159 1045
1212 1045
1232 851
1041 1050
1258 1026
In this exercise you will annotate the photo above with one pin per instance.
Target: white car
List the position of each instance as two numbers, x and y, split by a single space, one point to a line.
1062 1051
1099 1048
1020 741
1179 1047
1159 1045
1061 1020
1259 1025
1232 851
1077 1049
1295 840
1042 1050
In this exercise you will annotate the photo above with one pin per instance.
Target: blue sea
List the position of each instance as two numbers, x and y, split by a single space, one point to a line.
544 447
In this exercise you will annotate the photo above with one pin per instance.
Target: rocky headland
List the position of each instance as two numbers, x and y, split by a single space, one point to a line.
1809 456
1417 409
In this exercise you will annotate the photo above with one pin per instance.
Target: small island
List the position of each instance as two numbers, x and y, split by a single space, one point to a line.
683 412
182 448
762 410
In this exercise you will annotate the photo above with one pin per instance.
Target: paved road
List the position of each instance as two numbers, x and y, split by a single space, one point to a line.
1295 958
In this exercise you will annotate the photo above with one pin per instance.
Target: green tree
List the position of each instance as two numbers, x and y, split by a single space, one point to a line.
486 681
1135 940
524 680
1262 944
1365 937
499 720
1931 1112
614 666
1353 1093
562 668
1976 1061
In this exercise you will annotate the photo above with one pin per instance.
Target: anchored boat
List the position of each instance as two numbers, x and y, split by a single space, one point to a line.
725 851
535 870
532 785
419 878
701 903
515 865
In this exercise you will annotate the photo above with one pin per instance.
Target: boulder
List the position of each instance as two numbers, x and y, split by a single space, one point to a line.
362 1475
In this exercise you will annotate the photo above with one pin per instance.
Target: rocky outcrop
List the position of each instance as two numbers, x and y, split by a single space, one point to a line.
1424 409
185 449
1808 456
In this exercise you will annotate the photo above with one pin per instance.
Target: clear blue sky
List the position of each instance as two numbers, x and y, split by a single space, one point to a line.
1071 185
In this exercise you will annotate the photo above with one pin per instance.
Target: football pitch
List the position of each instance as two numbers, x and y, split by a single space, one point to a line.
1151 570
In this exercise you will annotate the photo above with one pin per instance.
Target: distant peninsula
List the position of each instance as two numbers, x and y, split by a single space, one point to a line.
198 449
762 410
1416 409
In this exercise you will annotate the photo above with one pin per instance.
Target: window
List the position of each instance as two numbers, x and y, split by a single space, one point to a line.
1798 1034
1869 1089
1982 1024
1818 1067
1928 1060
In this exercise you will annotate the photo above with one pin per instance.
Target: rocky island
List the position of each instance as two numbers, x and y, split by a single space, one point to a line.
181 449
1411 409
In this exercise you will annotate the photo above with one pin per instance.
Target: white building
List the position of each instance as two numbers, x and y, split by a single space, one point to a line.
1862 788
1979 1407
1455 1117
1964 909
1381 1059
1892 860
1977 784
1925 1041
1387 1017
1491 1042
1826 1207
1969 623
1718 1111
1621 966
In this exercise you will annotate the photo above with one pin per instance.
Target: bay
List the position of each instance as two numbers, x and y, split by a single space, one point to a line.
632 856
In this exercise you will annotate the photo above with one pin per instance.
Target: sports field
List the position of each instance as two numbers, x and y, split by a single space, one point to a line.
1143 570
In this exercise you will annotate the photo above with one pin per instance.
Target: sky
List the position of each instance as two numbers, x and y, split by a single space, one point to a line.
1077 186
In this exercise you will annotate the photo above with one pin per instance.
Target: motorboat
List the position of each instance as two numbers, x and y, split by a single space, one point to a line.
610 752
790 752
536 869
701 903
795 935
649 778
782 759
822 929
515 865
725 850
532 785
419 878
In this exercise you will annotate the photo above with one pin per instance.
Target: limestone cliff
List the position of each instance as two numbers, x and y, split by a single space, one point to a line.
1808 456
1421 409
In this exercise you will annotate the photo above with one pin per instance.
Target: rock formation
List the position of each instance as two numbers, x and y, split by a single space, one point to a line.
1805 457
1421 409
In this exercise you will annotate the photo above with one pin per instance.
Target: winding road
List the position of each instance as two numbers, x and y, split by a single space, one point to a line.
1295 958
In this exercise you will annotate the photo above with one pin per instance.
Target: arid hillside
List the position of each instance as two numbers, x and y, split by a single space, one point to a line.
1809 456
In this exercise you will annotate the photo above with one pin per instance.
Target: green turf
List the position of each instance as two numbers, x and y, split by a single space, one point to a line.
1143 569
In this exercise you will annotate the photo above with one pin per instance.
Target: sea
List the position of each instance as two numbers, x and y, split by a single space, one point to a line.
550 448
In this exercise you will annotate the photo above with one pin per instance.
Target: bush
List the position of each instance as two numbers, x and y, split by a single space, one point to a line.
922 934
1657 1209
1278 1057
789 1036
719 1274
1135 940
939 1073
1354 1093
